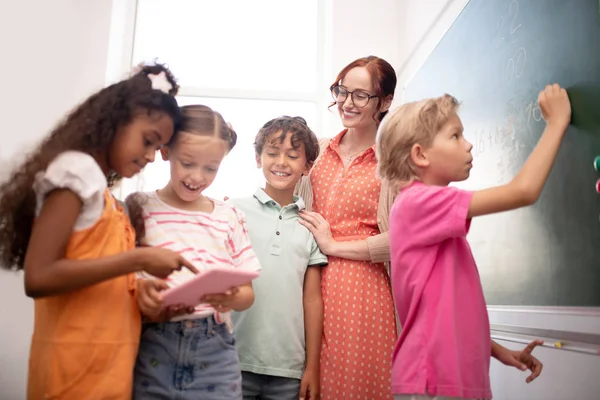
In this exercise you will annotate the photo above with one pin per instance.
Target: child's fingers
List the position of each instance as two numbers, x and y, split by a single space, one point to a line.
529 348
155 288
188 265
171 312
536 370
220 298
209 298
151 302
148 306
150 296
231 292
222 305
513 361
221 308
159 285
177 310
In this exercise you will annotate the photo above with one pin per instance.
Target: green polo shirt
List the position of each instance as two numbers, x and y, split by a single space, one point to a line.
270 334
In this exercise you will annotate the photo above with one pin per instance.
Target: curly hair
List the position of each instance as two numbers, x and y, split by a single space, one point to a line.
91 128
300 131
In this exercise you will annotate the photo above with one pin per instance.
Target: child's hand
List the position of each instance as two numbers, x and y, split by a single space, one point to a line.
309 386
222 302
150 301
162 262
522 360
149 298
555 106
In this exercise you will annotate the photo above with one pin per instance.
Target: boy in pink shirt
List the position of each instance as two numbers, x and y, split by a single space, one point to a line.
445 347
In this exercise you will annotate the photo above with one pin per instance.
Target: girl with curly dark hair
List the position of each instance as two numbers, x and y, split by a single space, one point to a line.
60 224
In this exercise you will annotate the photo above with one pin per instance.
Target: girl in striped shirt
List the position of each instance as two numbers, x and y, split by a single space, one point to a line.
193 354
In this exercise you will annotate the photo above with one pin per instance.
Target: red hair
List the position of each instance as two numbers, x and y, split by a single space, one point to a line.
382 75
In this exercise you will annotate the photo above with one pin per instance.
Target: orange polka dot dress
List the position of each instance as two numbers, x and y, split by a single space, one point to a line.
359 329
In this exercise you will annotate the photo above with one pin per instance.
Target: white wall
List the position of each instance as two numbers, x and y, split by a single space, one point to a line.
566 374
53 55
422 23
358 28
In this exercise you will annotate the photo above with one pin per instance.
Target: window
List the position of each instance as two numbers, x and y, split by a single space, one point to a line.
252 64
266 45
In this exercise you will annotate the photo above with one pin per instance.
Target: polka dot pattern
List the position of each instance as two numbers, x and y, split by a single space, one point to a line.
359 326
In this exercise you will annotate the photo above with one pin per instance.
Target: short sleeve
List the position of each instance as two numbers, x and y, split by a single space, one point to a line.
78 172
431 214
240 247
316 256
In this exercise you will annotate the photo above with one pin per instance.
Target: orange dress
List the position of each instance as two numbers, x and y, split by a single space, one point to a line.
359 331
85 342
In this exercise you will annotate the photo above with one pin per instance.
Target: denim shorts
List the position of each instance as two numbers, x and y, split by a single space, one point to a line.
193 359
267 387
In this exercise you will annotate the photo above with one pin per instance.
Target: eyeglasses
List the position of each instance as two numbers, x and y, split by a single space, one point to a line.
360 98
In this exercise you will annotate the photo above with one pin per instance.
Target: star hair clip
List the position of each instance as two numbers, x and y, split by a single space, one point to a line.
160 82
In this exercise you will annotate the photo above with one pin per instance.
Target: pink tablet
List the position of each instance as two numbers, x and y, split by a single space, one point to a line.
213 281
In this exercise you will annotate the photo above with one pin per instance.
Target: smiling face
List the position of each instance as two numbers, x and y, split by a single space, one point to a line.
136 143
282 164
195 161
358 80
357 100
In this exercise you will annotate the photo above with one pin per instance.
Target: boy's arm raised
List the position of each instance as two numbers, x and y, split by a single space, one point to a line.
527 186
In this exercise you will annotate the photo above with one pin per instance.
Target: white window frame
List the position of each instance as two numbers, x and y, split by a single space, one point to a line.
120 61
121 50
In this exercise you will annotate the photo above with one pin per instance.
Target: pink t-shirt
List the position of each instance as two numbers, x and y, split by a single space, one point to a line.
445 347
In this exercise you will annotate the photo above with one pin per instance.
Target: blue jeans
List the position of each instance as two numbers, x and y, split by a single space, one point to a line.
267 387
193 359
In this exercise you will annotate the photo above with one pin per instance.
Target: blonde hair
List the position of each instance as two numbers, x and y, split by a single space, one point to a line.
413 123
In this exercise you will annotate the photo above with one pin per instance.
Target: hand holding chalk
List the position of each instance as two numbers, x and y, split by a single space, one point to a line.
555 106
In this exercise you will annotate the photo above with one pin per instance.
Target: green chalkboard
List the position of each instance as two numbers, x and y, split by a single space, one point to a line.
495 58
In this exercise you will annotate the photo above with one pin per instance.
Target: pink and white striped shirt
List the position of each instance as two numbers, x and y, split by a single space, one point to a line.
205 239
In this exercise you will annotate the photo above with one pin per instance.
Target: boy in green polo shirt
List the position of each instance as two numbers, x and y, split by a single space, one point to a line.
278 360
